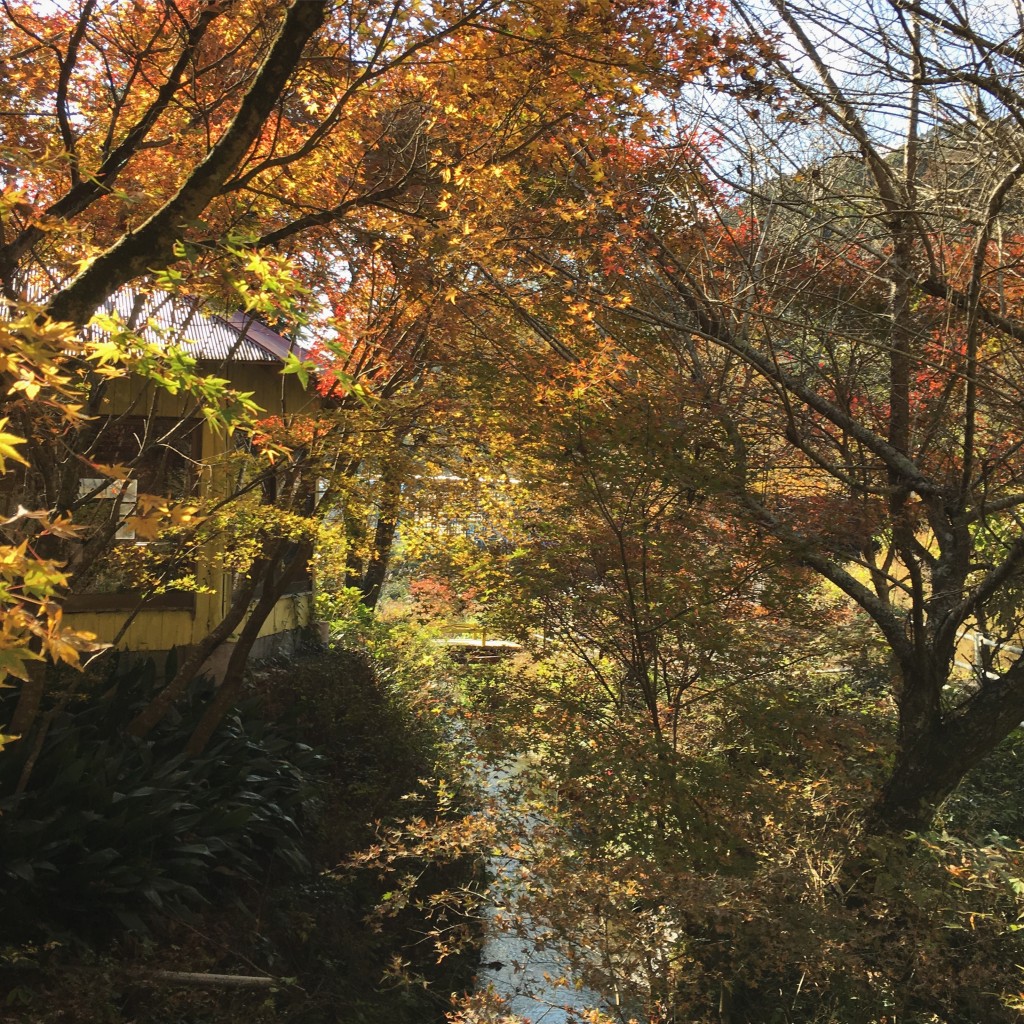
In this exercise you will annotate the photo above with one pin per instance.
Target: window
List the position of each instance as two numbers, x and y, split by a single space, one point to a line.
162 454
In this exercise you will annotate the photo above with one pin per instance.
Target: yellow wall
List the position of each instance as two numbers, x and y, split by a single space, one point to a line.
263 379
150 631
289 613
162 629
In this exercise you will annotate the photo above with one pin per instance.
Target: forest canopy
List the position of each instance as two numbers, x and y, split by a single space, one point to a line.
683 336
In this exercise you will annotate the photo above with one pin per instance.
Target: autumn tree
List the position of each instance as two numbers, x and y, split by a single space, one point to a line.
838 270
175 146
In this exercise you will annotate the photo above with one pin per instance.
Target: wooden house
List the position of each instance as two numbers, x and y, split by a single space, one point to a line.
249 356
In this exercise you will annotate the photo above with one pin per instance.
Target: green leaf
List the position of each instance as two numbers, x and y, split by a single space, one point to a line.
12 662
300 367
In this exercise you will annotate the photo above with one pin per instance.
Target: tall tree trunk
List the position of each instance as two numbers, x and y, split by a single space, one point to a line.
924 773
30 699
383 540
936 751
377 567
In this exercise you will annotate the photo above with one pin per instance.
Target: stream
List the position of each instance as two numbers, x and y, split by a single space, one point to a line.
520 964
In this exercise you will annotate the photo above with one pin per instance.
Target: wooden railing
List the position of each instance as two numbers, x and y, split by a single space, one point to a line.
470 642
464 631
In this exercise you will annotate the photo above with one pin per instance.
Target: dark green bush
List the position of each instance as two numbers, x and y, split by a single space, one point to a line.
112 827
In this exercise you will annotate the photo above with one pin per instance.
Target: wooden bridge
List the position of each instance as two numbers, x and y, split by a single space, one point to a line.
468 643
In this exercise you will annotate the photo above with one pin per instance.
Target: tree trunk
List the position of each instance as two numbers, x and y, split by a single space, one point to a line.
377 567
274 587
154 712
936 752
30 699
383 540
923 775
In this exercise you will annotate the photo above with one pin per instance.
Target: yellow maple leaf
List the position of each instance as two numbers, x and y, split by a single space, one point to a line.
8 451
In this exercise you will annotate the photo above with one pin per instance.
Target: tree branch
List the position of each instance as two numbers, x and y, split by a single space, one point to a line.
152 245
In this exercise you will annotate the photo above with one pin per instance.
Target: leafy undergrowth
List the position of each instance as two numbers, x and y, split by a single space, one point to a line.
267 903
729 878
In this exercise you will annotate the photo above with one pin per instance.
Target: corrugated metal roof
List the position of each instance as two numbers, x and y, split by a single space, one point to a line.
164 318
260 334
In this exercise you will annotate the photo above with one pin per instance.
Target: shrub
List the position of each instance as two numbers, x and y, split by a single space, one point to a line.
112 827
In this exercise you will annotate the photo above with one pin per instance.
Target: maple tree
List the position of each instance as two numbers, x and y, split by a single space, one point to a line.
530 289
694 740
837 288
32 618
176 146
619 545
896 367
194 138
672 366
